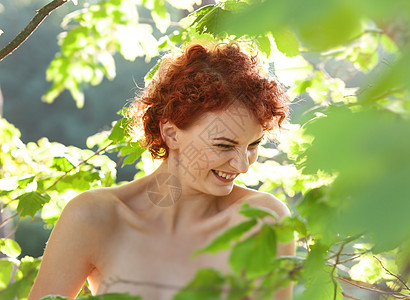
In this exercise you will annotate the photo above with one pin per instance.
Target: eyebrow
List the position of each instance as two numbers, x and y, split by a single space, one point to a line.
235 142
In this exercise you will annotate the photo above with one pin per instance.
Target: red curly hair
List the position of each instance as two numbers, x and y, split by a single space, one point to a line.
205 78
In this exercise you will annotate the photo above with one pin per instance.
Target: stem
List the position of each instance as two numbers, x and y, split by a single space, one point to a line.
41 14
81 163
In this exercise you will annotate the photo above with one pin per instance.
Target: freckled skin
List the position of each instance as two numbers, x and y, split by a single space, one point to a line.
123 240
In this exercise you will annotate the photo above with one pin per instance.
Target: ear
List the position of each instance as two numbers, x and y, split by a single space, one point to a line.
169 134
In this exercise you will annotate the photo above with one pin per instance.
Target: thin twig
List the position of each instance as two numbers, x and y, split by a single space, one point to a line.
334 268
373 288
81 163
390 273
8 219
352 258
14 230
41 14
349 297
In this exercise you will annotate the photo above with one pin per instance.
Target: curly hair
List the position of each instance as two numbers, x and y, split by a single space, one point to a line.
205 78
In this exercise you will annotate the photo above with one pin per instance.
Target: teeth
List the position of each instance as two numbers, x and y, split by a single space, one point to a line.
224 175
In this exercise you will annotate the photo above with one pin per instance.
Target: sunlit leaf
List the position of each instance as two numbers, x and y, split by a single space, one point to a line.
319 283
284 269
10 247
224 240
119 131
6 267
62 164
286 41
257 212
30 203
24 279
26 180
253 256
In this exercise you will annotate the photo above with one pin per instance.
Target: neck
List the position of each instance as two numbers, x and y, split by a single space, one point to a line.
176 206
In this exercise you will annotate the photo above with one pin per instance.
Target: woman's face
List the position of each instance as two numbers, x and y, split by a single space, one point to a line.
215 149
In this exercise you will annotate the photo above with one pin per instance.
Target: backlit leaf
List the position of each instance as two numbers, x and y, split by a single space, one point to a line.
6 267
10 247
256 212
224 240
30 203
254 255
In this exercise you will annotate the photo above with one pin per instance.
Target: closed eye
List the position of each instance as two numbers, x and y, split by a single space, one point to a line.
224 146
255 144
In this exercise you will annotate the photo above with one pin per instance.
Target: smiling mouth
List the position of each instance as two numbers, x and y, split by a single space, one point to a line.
224 176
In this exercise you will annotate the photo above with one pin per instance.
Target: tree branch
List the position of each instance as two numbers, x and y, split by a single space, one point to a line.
390 273
373 288
41 14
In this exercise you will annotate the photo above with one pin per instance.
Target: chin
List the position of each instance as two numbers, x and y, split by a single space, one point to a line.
221 190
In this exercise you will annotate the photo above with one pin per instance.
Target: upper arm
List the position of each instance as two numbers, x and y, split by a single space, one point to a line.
71 249
268 201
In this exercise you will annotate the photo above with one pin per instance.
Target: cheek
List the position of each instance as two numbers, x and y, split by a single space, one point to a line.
253 156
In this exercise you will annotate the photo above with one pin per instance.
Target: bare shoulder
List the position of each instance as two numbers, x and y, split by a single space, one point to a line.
80 234
265 200
269 201
94 209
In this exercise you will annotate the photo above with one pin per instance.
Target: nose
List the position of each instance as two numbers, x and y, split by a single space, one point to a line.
240 162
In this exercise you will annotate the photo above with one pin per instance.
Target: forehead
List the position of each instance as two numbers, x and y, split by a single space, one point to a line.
235 122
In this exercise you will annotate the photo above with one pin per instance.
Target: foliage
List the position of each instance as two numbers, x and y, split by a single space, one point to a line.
343 170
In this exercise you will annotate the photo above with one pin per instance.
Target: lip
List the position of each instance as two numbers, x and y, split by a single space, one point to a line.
224 179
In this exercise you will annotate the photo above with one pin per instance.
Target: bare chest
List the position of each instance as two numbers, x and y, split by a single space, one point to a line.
154 266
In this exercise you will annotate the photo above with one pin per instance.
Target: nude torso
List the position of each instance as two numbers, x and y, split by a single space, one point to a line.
144 259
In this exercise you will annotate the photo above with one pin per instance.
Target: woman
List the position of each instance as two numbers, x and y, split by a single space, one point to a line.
205 112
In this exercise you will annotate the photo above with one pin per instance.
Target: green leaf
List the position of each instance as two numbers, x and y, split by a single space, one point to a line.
200 13
319 283
284 269
254 255
148 77
264 45
257 212
285 230
6 267
30 203
24 279
10 247
239 287
335 23
320 24
403 261
119 131
369 192
26 180
207 285
210 21
287 42
99 139
394 79
61 163
318 210
224 241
